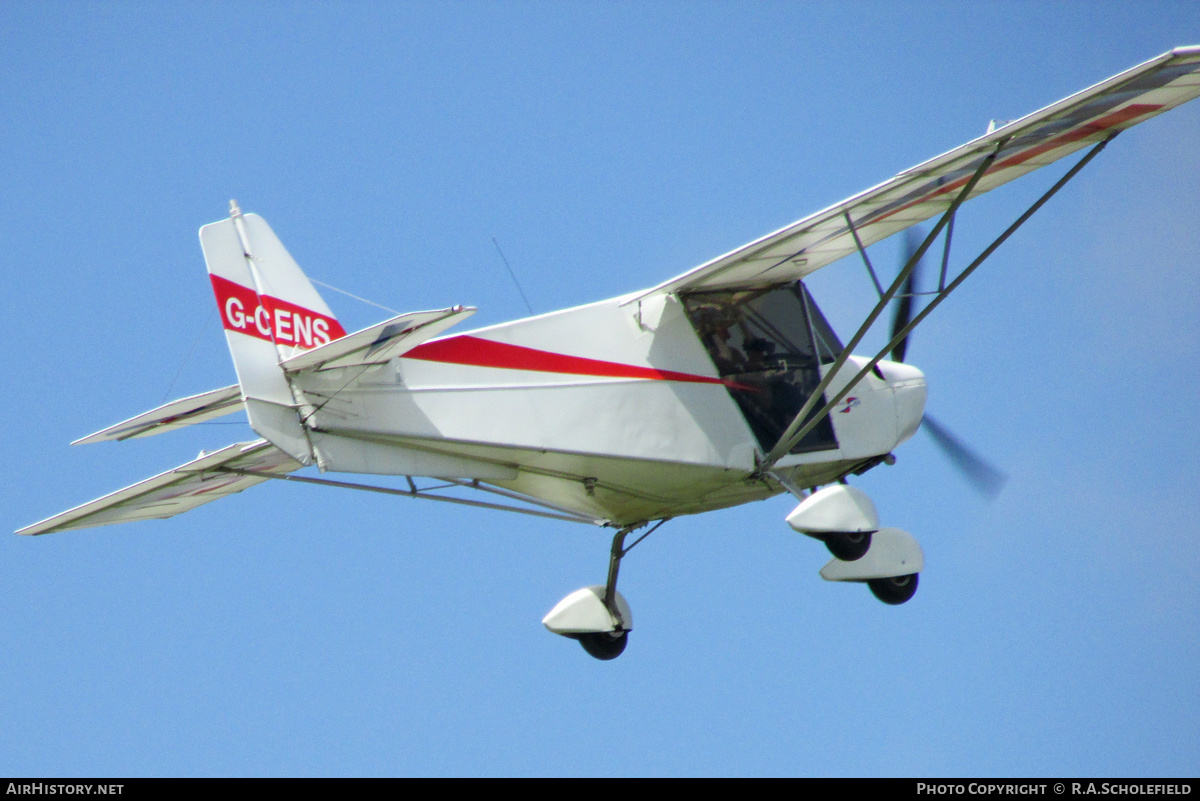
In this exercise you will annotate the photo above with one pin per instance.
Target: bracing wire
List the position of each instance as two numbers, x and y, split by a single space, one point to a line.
352 295
212 313
191 350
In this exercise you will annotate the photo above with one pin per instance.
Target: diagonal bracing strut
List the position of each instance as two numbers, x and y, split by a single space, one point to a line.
799 428
559 513
788 439
614 565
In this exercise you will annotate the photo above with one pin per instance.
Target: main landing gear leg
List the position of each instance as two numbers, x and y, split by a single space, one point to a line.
607 645
614 567
598 617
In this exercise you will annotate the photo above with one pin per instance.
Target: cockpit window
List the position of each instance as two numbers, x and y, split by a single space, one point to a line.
828 344
770 343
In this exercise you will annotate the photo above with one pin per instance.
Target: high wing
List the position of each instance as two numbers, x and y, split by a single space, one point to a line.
170 416
928 189
201 480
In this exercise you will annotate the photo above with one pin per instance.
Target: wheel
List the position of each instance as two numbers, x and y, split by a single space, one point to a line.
603 645
895 590
849 546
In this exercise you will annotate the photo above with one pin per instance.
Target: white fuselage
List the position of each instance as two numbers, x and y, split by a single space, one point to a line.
614 409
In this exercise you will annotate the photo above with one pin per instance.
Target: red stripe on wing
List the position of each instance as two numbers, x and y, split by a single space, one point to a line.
1130 112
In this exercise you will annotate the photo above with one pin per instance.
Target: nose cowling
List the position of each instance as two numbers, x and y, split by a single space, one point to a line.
909 391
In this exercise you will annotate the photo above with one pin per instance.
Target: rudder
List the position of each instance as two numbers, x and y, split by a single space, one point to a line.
270 312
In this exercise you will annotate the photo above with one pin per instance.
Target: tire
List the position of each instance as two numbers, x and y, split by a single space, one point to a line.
603 645
849 546
895 590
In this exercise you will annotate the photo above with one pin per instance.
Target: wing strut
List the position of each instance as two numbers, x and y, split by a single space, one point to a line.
863 252
788 439
559 513
800 427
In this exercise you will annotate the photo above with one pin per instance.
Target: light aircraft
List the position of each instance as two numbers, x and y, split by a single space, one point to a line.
721 386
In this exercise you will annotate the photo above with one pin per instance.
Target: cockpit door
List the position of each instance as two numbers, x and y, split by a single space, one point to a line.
769 344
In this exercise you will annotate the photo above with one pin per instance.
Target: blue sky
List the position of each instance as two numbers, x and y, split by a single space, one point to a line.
293 630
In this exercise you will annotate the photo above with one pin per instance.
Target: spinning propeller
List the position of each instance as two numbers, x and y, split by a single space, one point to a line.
984 477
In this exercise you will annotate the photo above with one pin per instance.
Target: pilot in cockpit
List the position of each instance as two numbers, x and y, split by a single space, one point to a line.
718 339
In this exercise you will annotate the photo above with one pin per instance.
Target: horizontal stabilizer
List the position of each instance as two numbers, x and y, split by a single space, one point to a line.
379 343
173 415
201 480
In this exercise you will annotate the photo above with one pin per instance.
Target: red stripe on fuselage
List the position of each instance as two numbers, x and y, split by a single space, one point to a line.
477 352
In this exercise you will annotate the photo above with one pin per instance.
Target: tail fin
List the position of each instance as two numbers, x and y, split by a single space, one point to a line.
270 312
